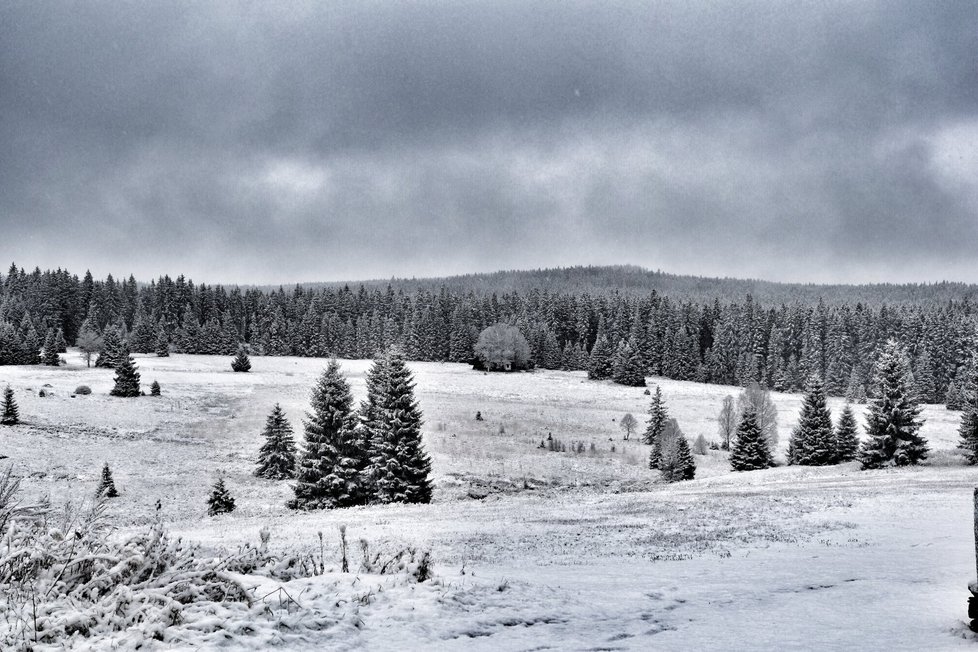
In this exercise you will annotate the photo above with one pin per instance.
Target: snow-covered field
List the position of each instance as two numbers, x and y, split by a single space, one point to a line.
532 549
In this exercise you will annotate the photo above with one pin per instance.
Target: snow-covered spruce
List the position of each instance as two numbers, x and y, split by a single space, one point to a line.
276 458
749 451
400 467
220 500
154 389
656 423
126 376
627 366
241 362
106 485
968 430
113 348
50 356
328 476
11 414
893 424
846 435
162 347
813 441
677 460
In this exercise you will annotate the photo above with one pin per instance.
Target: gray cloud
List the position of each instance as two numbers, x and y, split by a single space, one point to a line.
250 142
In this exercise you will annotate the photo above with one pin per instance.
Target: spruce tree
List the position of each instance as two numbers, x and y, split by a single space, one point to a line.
154 389
677 461
749 451
656 424
846 436
813 442
628 368
11 415
106 486
113 349
276 458
50 356
368 429
327 476
162 344
241 361
60 345
968 430
220 501
126 377
894 421
599 363
400 466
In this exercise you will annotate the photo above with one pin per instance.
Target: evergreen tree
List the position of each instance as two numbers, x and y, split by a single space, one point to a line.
111 352
813 442
749 451
106 486
241 361
61 346
276 458
126 377
657 419
628 368
50 356
599 363
400 466
894 422
968 430
220 501
327 476
677 461
846 436
154 389
162 343
11 414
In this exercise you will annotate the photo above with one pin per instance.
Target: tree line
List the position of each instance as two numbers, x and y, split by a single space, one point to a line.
734 341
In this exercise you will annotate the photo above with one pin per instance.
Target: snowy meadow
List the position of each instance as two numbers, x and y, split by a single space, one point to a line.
529 548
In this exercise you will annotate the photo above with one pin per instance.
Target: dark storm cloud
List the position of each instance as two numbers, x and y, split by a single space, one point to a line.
251 142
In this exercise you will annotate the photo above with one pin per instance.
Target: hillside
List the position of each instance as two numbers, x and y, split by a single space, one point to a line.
633 280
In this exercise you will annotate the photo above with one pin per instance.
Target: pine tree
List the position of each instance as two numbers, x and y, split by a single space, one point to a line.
126 377
968 430
656 423
112 349
241 361
60 345
220 501
400 467
749 451
154 389
677 461
106 486
894 422
813 442
327 476
846 436
276 458
50 356
11 415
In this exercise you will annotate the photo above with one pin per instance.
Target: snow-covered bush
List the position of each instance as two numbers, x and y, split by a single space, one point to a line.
83 390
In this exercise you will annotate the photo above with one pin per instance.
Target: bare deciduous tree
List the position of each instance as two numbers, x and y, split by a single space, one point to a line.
727 422
628 423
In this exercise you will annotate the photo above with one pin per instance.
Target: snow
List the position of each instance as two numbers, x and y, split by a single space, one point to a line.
565 551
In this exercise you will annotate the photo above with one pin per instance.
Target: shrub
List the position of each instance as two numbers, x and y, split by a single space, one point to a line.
83 390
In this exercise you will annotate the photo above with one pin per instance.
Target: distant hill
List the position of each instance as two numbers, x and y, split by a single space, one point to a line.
633 280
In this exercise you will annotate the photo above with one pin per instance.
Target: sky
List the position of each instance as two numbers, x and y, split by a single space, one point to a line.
264 142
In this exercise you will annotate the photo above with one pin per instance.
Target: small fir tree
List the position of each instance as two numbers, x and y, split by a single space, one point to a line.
846 436
11 414
154 389
106 485
677 461
60 345
241 361
813 442
400 466
894 422
276 458
749 451
220 501
126 377
327 476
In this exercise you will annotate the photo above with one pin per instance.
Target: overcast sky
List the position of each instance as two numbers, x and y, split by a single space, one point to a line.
254 142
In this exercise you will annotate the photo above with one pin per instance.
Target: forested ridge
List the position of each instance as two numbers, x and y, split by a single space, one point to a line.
725 338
